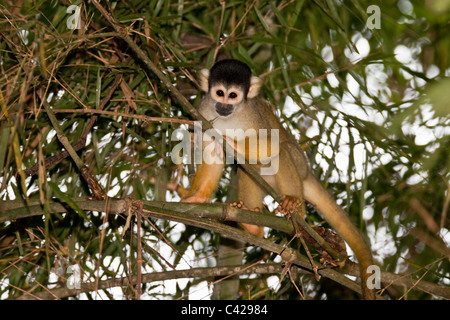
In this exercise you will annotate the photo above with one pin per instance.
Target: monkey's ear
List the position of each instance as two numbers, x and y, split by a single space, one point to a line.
255 85
203 77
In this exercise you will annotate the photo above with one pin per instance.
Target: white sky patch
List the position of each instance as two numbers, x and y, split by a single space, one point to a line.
432 71
359 153
376 81
200 291
405 7
352 85
341 159
362 46
403 54
290 107
423 135
327 54
316 91
332 80
273 282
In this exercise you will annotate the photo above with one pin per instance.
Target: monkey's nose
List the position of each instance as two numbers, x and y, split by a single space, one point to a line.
224 109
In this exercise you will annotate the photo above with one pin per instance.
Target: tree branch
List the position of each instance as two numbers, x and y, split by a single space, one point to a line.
64 292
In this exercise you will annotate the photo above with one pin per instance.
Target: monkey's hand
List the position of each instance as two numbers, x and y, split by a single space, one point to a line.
288 205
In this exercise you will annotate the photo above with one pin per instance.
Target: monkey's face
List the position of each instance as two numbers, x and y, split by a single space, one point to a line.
229 85
226 98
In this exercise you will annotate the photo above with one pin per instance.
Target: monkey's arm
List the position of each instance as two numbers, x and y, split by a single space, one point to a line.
205 182
208 173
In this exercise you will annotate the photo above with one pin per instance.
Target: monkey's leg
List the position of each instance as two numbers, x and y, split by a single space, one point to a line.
251 194
289 184
204 183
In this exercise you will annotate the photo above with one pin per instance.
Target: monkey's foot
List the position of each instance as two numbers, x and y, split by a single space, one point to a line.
241 205
333 239
253 229
336 242
288 205
195 199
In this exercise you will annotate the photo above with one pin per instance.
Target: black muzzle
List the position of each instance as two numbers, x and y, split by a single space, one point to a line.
224 109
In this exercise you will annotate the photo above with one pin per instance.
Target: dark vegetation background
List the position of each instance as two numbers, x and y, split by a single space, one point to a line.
370 108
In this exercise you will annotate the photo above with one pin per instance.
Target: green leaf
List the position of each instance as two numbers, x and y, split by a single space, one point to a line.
67 200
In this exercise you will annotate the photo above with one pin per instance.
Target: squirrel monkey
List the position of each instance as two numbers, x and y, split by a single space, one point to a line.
232 105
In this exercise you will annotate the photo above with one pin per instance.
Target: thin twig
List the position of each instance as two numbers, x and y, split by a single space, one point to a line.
125 115
138 214
64 292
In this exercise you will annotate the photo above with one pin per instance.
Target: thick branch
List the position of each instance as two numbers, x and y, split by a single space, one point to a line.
17 209
65 292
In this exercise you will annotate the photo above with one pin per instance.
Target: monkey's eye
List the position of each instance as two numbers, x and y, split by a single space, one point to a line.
232 95
220 93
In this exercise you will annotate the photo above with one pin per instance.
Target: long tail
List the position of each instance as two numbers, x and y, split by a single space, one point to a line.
318 196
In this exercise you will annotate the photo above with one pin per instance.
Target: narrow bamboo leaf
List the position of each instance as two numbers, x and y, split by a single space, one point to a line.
4 138
130 131
262 20
67 199
98 89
